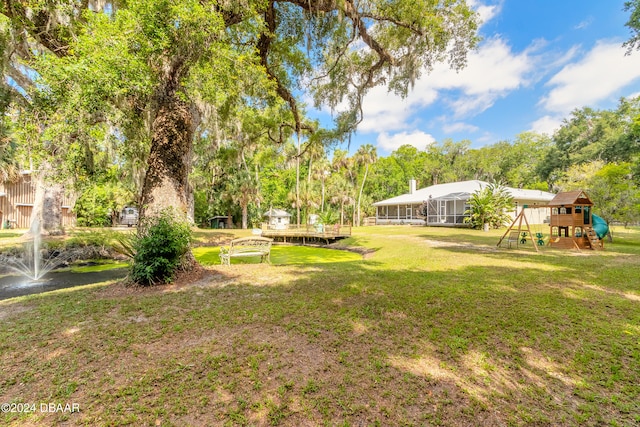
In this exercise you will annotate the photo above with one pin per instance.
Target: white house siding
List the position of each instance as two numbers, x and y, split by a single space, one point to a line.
446 204
17 200
534 215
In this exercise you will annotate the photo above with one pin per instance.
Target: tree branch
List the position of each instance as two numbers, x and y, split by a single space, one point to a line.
264 44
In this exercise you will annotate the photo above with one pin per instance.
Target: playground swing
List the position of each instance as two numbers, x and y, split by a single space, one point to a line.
523 233
539 235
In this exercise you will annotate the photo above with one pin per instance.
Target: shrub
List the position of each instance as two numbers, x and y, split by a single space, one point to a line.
489 205
160 247
329 217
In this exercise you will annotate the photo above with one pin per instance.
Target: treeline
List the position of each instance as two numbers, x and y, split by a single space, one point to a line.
594 150
240 171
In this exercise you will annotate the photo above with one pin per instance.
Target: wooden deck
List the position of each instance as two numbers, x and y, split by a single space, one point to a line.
308 233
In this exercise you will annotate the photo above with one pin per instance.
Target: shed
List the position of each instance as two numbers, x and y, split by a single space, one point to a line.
277 218
219 221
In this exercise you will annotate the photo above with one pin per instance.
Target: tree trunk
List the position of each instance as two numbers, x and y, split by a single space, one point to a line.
46 216
166 181
229 219
364 179
322 206
245 215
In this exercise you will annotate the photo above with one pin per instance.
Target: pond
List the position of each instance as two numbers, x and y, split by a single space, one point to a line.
14 286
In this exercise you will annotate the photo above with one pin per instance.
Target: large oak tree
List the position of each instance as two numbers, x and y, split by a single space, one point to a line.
171 65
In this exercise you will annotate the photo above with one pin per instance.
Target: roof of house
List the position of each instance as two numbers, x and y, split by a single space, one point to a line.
276 213
462 190
577 197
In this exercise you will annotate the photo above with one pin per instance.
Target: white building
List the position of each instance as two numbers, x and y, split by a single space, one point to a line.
447 203
277 219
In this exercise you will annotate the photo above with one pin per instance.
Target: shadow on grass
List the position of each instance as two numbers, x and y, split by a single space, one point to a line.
355 342
615 267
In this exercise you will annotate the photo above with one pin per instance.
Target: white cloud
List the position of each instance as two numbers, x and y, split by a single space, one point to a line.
601 73
492 72
459 127
485 11
417 138
384 111
584 24
492 68
547 124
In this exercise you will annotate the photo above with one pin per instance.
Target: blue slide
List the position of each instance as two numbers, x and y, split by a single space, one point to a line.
600 226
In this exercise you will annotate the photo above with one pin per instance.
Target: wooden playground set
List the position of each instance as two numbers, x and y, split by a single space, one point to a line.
572 225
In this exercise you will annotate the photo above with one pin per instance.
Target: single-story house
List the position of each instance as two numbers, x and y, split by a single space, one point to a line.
277 218
447 203
17 200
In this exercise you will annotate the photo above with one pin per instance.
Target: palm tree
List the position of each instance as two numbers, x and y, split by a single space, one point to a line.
321 171
308 198
341 191
314 150
366 155
241 189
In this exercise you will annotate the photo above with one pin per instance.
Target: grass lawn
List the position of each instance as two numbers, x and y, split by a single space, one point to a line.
433 327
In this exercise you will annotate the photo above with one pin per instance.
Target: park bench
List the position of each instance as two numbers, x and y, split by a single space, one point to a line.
246 247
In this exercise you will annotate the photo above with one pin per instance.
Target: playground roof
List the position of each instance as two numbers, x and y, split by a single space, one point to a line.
568 198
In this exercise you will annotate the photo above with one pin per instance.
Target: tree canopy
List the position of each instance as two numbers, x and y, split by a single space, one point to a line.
162 72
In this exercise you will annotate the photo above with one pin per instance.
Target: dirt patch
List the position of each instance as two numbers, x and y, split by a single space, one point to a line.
124 288
365 252
445 244
10 310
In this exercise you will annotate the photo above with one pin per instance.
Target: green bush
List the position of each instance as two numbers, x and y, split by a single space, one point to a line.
489 205
99 204
160 248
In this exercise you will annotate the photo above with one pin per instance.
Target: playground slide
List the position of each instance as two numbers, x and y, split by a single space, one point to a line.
600 226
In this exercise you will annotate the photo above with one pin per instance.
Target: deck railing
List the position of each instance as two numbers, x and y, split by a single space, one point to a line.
307 230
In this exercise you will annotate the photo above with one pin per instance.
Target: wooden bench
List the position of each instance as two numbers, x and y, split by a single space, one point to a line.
246 247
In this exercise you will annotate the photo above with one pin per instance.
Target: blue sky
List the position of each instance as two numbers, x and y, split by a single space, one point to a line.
538 61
